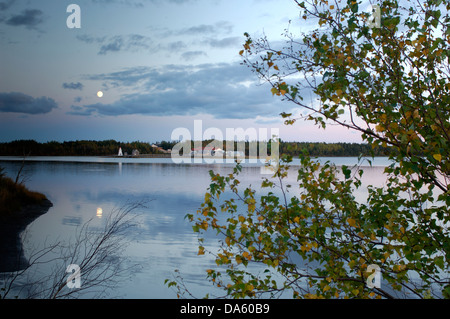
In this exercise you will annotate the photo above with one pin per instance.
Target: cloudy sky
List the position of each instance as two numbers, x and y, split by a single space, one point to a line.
161 65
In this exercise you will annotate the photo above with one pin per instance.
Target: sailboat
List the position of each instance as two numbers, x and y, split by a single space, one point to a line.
120 152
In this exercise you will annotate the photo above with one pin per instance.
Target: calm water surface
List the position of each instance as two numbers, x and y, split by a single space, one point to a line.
83 188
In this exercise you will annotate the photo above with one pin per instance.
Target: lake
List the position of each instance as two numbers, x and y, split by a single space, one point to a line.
89 188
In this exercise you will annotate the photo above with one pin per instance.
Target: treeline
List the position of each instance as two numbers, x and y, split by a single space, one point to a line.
296 148
111 147
332 149
73 148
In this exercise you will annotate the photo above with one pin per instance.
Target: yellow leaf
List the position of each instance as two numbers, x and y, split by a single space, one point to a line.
241 52
437 157
351 222
331 7
305 248
246 255
274 91
276 68
204 225
201 251
241 219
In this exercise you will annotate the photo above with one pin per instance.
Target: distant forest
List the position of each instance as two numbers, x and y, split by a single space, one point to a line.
111 147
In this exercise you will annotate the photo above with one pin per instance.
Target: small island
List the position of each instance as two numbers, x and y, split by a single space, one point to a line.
18 208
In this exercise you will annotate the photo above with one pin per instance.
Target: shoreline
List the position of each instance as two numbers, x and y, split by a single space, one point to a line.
11 248
190 160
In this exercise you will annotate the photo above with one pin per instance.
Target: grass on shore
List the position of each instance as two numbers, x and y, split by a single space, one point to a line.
14 196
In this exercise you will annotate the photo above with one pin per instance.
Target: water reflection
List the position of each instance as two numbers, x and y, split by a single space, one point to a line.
72 220
164 241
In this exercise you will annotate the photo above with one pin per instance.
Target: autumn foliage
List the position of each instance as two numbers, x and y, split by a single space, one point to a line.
390 83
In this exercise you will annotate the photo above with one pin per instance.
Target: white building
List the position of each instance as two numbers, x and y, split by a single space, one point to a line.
135 153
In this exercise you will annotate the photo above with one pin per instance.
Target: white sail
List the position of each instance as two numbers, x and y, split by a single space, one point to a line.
120 152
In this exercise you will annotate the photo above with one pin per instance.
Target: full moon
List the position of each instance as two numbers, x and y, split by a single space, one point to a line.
99 93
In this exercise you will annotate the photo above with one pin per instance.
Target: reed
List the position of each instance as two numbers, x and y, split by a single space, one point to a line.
14 196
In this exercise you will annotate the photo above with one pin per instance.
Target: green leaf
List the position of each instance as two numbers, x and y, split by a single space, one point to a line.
439 261
346 171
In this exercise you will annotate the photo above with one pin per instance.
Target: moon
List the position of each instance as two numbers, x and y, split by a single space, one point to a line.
99 93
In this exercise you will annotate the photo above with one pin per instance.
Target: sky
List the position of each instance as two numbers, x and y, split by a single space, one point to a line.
160 64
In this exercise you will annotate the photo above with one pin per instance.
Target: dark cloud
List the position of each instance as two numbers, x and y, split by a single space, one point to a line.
203 29
200 29
192 55
131 43
141 43
221 27
224 43
117 43
114 45
176 46
29 18
4 5
16 102
172 1
78 110
222 90
90 39
137 4
126 78
140 3
73 86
